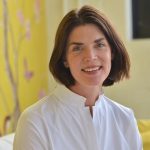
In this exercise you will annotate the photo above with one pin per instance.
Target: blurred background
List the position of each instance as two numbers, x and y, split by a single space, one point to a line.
27 31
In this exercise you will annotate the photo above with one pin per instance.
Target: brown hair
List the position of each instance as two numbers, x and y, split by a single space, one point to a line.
87 15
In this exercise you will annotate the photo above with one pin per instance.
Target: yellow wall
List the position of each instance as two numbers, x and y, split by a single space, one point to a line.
27 54
135 92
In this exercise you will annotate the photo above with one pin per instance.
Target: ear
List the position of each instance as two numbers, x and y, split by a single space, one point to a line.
66 64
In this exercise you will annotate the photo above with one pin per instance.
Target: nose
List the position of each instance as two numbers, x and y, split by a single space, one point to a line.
90 55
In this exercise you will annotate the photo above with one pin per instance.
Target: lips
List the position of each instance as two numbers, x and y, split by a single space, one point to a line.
91 69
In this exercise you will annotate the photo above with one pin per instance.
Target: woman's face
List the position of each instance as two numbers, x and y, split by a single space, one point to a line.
88 55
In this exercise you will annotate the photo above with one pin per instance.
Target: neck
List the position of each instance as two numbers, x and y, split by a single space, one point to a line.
91 93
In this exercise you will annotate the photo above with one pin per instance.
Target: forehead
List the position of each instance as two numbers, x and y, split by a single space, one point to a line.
86 32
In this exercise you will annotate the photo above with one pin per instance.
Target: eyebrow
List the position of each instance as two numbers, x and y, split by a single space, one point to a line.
80 43
75 43
99 40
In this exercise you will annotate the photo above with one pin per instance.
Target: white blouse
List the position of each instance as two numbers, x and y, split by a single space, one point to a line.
61 121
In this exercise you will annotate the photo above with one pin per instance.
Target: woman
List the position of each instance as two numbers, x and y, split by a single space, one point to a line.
87 55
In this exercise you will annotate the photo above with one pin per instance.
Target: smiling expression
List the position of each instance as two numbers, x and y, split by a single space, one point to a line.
88 55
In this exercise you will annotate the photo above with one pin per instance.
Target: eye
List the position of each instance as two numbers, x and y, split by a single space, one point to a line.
77 48
100 45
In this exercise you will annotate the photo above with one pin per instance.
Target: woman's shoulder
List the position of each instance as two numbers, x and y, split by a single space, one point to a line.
41 109
120 111
122 115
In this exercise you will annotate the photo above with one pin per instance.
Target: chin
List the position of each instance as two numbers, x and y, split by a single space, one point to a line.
94 83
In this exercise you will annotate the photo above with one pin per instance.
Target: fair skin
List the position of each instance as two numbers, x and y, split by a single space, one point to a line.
89 60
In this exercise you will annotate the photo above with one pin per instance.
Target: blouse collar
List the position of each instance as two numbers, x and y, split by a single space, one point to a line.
65 95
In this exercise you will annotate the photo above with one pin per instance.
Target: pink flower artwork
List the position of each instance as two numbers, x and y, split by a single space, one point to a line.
12 41
28 74
28 29
41 94
37 8
20 17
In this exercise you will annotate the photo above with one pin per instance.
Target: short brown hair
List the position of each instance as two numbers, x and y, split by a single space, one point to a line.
88 15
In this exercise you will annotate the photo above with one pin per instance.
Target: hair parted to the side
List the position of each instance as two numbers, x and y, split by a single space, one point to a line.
88 15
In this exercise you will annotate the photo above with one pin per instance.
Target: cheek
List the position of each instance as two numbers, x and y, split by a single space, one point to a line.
107 58
74 66
70 62
107 62
73 61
